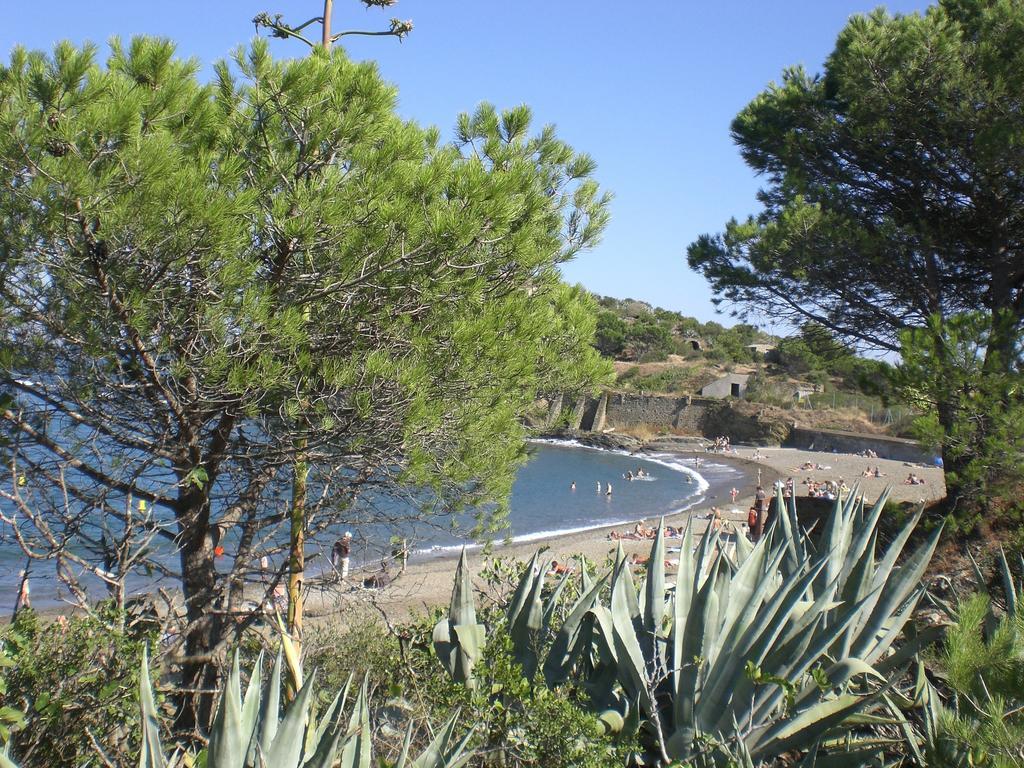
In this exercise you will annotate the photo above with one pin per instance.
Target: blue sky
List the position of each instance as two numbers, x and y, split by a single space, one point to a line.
649 92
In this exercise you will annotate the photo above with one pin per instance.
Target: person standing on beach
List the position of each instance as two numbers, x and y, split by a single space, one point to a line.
24 593
760 501
340 554
733 494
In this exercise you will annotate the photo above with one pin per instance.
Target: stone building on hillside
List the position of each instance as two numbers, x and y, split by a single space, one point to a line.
731 385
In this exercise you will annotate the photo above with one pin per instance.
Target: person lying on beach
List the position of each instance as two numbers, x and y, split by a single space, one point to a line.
558 569
636 559
878 473
640 531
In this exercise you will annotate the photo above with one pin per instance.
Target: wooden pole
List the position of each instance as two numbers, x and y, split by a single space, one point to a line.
327 23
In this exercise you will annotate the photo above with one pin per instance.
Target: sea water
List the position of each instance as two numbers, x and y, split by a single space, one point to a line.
542 504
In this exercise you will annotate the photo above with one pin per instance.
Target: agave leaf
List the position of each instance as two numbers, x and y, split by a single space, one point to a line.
251 703
631 666
894 626
291 654
838 674
520 600
463 607
806 727
286 749
228 742
866 533
793 664
689 662
909 734
270 707
897 588
525 618
552 604
332 715
152 755
685 578
326 752
403 756
358 749
329 732
585 579
832 542
729 665
744 547
572 637
655 593
622 570
760 637
439 753
458 640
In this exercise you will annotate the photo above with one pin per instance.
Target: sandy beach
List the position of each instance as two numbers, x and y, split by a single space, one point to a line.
427 582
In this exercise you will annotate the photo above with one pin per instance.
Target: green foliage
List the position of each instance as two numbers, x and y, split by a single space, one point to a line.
983 661
77 685
518 723
610 338
973 407
866 226
213 257
11 718
678 380
648 341
754 654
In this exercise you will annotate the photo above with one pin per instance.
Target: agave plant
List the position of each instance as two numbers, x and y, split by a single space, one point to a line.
753 650
458 639
249 731
982 665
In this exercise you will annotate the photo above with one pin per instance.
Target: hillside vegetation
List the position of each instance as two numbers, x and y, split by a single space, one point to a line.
822 381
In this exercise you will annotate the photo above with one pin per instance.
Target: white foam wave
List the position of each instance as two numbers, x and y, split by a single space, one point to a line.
440 550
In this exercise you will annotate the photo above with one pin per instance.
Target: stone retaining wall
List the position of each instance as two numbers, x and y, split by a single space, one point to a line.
708 417
855 442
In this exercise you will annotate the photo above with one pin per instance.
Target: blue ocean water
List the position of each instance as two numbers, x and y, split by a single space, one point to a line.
542 504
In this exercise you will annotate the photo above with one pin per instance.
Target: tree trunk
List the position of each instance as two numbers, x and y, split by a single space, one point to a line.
963 496
200 669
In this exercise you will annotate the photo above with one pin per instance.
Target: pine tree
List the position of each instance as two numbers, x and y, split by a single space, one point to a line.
198 278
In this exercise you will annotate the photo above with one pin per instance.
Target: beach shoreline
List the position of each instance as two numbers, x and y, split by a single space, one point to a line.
427 581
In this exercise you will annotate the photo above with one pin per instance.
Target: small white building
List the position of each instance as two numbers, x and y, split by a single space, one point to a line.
731 385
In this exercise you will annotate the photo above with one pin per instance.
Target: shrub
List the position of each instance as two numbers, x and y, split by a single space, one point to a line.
77 683
519 724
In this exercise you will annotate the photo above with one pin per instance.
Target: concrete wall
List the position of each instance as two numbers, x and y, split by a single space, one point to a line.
619 409
854 442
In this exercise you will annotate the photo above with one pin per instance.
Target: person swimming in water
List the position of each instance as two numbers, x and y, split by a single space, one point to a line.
572 486
598 486
609 491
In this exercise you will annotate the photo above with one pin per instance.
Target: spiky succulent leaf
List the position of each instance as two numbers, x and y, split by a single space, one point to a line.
152 755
